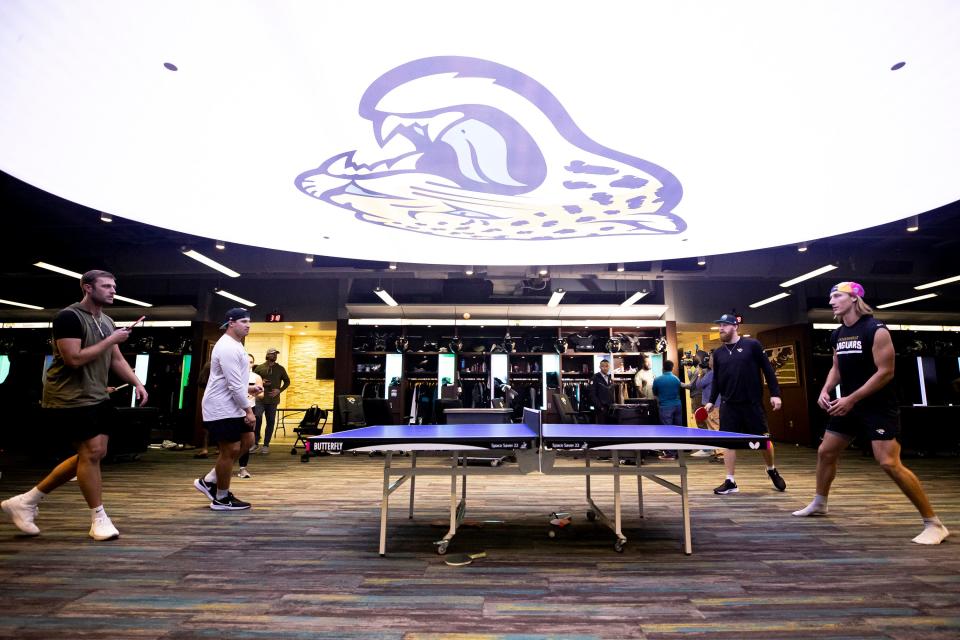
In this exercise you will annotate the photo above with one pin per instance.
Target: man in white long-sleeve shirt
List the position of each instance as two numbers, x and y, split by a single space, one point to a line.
227 410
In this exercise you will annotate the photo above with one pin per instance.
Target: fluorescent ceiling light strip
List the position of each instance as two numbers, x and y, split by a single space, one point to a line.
556 298
825 325
56 269
157 323
375 321
132 301
908 300
26 325
807 276
213 264
760 303
938 283
21 304
629 301
623 322
227 294
386 297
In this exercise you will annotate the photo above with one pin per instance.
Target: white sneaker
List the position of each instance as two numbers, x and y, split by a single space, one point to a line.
264 450
22 514
244 473
103 529
702 453
255 448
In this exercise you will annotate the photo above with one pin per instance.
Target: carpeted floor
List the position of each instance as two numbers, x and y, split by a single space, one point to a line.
303 562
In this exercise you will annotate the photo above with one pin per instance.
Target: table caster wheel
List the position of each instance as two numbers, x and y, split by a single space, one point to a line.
618 545
591 515
305 458
552 533
293 451
495 462
442 547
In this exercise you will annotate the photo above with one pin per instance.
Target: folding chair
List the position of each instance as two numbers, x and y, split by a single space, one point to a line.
313 423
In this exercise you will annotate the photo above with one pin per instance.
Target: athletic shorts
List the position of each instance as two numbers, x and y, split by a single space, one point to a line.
77 424
743 418
227 429
872 424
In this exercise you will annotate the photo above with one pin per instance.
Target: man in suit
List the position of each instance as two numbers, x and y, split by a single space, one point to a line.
602 389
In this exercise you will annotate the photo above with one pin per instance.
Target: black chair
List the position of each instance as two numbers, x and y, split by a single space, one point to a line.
313 423
561 404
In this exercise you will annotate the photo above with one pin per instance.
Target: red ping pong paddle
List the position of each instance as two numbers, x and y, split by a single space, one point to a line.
700 415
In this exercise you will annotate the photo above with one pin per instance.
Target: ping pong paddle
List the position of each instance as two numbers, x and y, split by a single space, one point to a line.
463 559
700 415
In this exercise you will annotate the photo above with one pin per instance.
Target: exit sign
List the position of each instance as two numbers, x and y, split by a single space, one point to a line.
275 317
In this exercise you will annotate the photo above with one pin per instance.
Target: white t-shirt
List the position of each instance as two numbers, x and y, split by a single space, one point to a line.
226 393
644 381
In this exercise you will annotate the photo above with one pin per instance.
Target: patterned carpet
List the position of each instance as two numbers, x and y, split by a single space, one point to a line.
303 562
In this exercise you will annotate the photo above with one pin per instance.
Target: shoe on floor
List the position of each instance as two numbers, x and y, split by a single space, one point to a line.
728 486
702 453
230 503
244 473
778 482
22 514
208 489
716 459
255 448
264 450
103 529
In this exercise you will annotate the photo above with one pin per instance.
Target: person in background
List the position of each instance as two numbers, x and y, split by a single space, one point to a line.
275 382
644 378
699 391
666 388
254 393
863 362
76 405
602 389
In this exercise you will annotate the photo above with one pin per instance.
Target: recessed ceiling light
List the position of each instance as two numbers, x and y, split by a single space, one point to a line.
20 304
913 224
308 257
56 269
220 245
106 217
702 261
802 247
807 276
930 285
620 267
760 303
393 266
227 294
543 271
213 264
908 300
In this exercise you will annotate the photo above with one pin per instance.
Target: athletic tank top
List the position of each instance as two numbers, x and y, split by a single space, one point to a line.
854 348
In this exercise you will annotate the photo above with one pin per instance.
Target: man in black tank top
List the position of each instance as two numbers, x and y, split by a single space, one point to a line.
866 405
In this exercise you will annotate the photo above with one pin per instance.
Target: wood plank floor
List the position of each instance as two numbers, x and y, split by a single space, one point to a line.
303 562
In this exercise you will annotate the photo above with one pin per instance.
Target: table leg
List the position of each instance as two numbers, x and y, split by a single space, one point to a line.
413 480
685 500
385 504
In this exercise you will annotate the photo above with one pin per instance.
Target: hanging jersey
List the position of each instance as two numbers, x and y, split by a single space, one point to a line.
854 348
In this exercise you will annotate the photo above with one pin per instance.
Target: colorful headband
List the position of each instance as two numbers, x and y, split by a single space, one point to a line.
852 288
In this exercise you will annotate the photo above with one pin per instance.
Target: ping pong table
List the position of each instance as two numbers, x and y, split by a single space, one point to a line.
536 447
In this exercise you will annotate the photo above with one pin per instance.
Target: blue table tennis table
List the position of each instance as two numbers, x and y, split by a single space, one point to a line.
535 446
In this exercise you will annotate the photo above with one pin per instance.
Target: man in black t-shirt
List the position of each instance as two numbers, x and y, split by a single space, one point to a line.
863 361
76 403
737 364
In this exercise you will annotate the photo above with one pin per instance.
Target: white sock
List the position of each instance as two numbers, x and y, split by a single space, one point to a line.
211 477
771 468
97 513
34 496
818 507
933 532
222 493
730 478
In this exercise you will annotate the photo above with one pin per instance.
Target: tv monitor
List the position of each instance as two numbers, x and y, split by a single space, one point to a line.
325 368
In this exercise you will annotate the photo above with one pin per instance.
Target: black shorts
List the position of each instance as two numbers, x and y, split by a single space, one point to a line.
872 424
227 429
77 424
743 418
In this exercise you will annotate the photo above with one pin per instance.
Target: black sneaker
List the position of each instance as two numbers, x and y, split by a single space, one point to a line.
230 503
728 486
208 489
778 482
